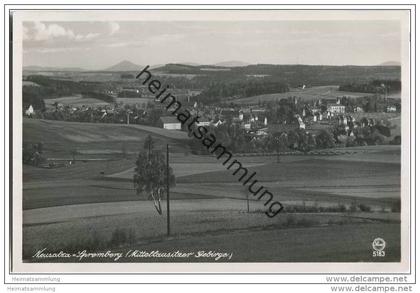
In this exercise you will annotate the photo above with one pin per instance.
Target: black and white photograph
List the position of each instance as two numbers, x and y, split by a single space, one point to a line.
219 140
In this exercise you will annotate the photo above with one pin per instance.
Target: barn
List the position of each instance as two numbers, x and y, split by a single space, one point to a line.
170 122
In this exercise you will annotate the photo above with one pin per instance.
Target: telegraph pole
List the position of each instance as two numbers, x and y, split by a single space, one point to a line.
168 219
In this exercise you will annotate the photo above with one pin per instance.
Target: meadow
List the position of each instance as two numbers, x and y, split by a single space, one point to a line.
75 100
61 138
133 101
345 198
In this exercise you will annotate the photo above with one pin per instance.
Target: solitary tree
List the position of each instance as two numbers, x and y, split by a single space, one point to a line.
150 177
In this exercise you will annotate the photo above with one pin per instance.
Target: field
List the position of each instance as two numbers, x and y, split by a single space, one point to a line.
29 83
307 94
84 205
215 225
274 245
61 138
133 101
76 101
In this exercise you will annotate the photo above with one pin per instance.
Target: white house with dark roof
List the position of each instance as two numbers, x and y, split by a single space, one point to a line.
335 108
30 111
204 122
170 122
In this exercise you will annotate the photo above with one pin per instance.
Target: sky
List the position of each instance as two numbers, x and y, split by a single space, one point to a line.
97 45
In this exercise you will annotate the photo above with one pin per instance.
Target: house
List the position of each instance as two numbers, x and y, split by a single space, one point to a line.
358 109
262 132
315 111
336 108
301 123
203 123
217 123
342 120
391 109
30 111
320 116
131 90
171 123
257 111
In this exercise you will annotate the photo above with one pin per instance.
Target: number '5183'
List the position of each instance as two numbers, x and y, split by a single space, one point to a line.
378 253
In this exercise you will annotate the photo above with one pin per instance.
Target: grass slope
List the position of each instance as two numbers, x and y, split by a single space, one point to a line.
60 138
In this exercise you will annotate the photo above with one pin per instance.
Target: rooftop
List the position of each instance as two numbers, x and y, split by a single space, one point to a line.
169 119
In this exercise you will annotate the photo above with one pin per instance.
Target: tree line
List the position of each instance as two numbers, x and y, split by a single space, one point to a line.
219 91
374 86
238 140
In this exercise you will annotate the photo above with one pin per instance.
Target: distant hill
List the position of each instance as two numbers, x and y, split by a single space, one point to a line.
124 66
156 66
294 75
231 64
177 68
46 68
190 63
390 63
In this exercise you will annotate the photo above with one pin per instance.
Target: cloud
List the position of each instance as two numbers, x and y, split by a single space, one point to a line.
89 36
113 27
43 32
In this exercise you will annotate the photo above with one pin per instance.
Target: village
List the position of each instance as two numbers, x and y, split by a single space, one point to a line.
289 123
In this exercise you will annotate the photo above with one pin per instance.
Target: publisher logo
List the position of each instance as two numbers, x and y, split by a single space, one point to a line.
378 246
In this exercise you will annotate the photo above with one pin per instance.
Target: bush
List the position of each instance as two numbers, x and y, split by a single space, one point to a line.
396 140
32 154
353 208
342 208
364 208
